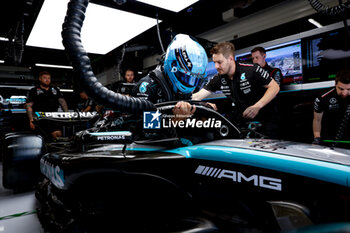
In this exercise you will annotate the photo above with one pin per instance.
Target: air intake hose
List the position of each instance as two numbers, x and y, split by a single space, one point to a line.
331 11
71 30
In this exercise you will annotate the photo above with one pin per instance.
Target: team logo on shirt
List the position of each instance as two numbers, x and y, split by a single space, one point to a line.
244 84
333 103
54 91
223 81
143 87
332 100
39 91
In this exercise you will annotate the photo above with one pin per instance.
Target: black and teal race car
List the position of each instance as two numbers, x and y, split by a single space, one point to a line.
139 171
221 185
157 180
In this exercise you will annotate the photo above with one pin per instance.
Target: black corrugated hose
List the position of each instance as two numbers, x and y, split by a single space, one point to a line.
71 30
331 11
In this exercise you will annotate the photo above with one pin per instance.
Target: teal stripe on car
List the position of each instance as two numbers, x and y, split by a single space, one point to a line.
316 169
321 170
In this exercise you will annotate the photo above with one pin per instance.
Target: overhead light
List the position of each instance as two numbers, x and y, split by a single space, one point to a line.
5 39
104 28
2 61
53 66
314 22
172 5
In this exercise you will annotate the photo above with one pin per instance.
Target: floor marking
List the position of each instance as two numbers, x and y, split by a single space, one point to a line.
18 215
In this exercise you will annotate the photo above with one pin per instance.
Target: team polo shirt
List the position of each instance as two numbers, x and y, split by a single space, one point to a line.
333 108
246 88
44 100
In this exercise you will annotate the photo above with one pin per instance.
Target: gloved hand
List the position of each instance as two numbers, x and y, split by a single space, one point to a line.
183 110
317 141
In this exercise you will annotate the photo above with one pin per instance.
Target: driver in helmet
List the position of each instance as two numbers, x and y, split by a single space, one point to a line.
183 70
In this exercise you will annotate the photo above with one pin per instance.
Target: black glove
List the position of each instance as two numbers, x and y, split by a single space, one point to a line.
317 141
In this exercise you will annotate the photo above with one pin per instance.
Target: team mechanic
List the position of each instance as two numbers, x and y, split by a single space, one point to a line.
332 111
45 98
259 57
248 86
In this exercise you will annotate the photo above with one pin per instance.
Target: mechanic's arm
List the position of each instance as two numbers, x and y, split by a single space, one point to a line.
29 108
271 92
203 93
63 104
87 109
316 124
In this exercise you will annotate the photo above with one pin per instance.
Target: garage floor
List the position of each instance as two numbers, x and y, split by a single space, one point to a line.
18 211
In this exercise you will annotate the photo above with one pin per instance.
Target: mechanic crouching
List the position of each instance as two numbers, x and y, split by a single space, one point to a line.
332 113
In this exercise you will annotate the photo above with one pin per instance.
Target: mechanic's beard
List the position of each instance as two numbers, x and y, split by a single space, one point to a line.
346 98
45 85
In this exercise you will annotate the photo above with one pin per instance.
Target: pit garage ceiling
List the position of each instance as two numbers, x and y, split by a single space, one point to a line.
209 20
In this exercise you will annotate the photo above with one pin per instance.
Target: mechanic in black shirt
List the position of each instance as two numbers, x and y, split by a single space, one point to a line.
332 111
45 98
259 57
248 86
85 103
124 86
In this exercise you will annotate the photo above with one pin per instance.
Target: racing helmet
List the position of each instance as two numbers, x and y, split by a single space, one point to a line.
185 63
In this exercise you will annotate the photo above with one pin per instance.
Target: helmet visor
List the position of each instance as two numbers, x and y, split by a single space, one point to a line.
187 78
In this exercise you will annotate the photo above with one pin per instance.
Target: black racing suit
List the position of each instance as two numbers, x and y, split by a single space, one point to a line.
247 88
45 101
334 110
156 88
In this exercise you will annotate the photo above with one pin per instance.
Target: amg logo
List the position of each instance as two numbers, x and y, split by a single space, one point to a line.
54 173
261 181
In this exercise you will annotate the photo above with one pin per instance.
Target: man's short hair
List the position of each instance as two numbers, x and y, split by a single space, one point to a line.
260 49
44 73
129 69
343 76
225 48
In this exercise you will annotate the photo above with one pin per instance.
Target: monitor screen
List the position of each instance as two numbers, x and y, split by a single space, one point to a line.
211 72
244 58
285 56
325 54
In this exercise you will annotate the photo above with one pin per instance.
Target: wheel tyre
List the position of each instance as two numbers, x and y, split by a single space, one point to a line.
21 155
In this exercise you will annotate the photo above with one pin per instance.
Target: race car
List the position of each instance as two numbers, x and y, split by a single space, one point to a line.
138 170
153 180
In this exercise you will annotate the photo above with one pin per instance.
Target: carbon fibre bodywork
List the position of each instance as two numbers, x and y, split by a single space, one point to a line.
242 185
